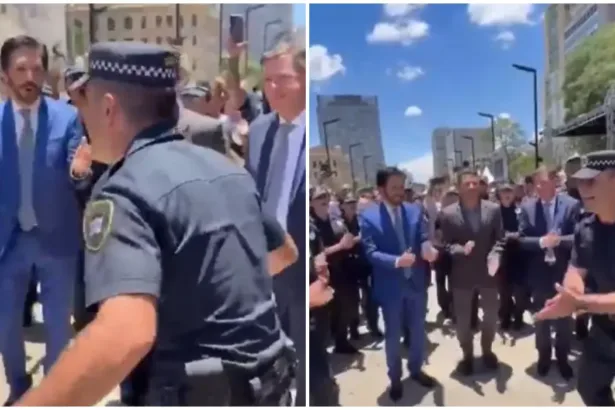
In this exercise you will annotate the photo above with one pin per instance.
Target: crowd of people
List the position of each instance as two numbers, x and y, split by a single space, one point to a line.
186 263
503 248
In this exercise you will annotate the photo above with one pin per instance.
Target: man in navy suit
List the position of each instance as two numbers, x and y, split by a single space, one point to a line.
39 216
546 226
395 236
276 158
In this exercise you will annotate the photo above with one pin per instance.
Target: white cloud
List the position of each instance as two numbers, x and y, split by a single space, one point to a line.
400 10
505 39
409 73
421 167
324 65
405 32
500 14
413 111
504 115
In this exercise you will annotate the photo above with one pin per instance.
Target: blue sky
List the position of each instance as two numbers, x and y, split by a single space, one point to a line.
430 66
299 15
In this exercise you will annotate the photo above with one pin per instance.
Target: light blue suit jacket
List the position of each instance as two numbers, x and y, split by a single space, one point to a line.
382 248
59 133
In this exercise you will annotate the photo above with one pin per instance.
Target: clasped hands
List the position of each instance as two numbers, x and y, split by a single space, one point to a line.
566 303
407 259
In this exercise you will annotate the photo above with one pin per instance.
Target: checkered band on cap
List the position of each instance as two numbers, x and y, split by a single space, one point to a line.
122 71
600 163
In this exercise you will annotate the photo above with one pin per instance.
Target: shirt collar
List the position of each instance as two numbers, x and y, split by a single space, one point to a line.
298 121
32 107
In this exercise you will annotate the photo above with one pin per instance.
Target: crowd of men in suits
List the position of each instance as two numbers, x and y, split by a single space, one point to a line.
221 115
498 247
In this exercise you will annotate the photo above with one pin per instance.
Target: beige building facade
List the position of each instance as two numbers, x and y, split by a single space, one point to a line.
340 167
199 26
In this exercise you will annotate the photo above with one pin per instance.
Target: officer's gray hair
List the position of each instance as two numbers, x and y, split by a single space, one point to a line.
142 104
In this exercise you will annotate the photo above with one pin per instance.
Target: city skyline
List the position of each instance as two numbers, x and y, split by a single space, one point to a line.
431 66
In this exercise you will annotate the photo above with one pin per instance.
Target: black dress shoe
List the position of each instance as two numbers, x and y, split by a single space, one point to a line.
543 365
354 334
565 370
490 360
424 380
465 367
396 391
345 348
505 324
518 325
9 403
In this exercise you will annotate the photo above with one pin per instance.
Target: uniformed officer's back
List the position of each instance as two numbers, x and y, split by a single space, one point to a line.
216 291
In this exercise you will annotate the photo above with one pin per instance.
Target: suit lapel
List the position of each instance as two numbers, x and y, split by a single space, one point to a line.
299 177
42 134
9 137
265 156
387 224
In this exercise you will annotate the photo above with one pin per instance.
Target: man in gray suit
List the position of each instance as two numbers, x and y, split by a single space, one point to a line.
471 233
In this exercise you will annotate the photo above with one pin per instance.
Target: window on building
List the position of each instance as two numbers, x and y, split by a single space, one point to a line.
334 164
170 21
158 40
193 65
314 164
194 40
143 22
2 8
129 39
78 24
144 40
194 20
181 21
158 21
110 24
128 23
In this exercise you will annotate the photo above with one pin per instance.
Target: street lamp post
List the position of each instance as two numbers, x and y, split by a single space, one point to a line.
326 124
93 13
534 73
268 25
471 139
365 157
354 181
492 118
246 34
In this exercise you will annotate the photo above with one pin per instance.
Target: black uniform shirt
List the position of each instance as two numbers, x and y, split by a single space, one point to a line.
593 251
183 224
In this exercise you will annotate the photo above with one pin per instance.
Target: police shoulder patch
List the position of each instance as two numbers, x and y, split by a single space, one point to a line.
97 221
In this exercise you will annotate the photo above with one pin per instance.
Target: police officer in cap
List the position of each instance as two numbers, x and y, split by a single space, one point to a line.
592 259
175 258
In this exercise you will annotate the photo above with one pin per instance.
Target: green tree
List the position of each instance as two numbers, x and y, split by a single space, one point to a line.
520 166
254 76
590 70
509 135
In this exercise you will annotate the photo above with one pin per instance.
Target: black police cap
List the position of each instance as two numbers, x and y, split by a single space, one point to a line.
594 163
133 62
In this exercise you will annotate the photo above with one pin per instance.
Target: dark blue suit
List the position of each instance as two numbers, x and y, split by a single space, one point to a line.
51 247
542 277
399 298
290 285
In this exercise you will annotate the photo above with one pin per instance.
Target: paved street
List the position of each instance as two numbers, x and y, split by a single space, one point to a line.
35 350
363 380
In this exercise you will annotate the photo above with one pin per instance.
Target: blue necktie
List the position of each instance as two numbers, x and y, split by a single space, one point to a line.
26 214
399 230
276 202
548 218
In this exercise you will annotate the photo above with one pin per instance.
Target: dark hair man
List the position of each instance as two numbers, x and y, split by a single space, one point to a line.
471 230
546 226
592 259
38 206
399 273
176 256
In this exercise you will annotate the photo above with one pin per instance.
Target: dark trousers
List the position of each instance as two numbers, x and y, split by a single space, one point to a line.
343 310
597 369
443 294
31 298
514 301
368 305
133 389
563 332
463 302
324 391
83 315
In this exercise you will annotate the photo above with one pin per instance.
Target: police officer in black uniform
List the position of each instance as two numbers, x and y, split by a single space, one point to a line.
337 242
593 259
176 256
324 390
